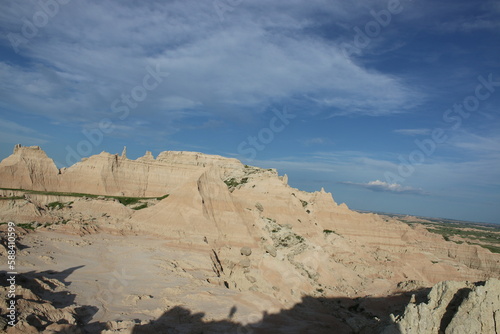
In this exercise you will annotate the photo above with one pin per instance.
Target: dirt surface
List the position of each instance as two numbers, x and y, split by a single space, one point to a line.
130 277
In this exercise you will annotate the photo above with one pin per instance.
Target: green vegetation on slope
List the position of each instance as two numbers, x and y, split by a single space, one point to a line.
233 183
122 199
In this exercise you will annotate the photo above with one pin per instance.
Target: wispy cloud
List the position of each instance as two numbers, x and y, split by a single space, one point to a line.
378 185
487 144
254 59
14 133
467 25
316 141
413 132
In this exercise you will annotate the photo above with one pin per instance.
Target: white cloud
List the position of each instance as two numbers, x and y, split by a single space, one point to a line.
378 185
177 103
295 164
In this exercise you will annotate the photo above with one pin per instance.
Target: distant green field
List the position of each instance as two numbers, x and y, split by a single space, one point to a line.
485 235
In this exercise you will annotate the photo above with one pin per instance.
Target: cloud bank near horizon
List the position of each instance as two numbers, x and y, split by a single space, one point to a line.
382 186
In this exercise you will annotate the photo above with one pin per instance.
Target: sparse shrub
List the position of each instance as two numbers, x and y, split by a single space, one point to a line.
288 240
128 200
55 205
304 203
233 183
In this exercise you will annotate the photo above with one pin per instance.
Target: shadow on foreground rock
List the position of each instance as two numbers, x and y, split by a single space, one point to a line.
45 305
311 315
449 307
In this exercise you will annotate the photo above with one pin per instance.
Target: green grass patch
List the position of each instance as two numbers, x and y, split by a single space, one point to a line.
140 207
56 205
128 200
483 236
493 249
26 226
11 198
122 199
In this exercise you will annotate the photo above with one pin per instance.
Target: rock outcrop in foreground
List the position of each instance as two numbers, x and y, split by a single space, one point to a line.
453 308
241 230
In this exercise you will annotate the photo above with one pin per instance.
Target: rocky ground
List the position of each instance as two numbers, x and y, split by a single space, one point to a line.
99 282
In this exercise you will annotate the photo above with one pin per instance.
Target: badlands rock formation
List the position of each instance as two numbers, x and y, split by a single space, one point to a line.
108 174
453 308
300 248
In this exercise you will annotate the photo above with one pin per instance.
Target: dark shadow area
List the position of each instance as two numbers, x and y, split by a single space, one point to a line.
311 315
452 308
44 283
4 241
46 301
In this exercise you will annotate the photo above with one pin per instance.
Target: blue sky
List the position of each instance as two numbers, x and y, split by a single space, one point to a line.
390 105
